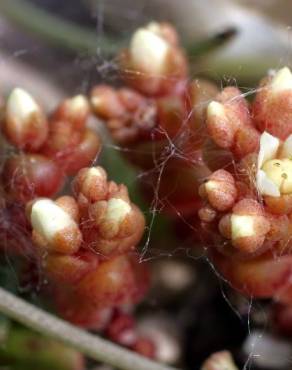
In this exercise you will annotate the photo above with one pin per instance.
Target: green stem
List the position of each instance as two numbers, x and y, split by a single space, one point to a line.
91 345
76 38
59 31
211 43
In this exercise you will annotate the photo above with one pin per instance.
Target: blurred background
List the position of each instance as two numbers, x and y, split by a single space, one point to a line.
72 43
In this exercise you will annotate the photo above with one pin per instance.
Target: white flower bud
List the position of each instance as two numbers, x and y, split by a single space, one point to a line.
282 80
48 219
117 210
148 52
242 226
215 109
20 105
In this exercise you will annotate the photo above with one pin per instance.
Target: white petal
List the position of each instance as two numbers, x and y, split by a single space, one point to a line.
266 186
282 80
286 151
269 145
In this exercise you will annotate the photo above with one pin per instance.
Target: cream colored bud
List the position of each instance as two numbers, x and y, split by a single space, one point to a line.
215 109
20 105
242 226
91 174
48 219
117 210
219 361
149 52
79 103
282 80
154 27
212 185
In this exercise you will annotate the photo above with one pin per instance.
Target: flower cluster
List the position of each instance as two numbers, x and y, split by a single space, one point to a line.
248 198
44 149
82 244
85 244
39 152
157 115
206 153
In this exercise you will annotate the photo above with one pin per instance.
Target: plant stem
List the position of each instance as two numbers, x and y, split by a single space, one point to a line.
211 43
76 38
91 345
56 30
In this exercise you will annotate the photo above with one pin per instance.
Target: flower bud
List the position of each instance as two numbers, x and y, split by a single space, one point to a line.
219 125
72 149
106 102
91 183
147 46
129 116
74 110
199 93
249 226
207 214
117 226
219 361
84 154
221 190
154 64
70 206
112 217
272 107
164 30
25 125
229 123
29 176
54 229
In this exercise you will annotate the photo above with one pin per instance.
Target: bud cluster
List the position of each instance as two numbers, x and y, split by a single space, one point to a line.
157 114
248 199
83 240
39 151
45 149
82 244
154 63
